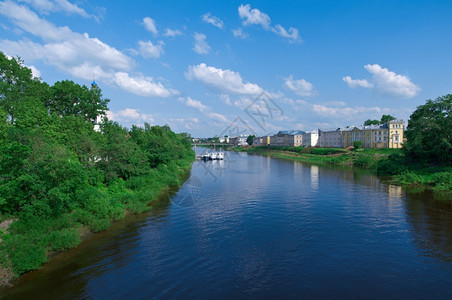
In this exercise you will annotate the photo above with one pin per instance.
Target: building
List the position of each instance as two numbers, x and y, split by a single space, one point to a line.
238 140
287 138
331 138
387 135
310 139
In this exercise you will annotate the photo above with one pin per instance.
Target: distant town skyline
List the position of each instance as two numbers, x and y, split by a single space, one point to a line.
200 66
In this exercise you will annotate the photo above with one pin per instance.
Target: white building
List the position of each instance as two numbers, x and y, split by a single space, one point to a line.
310 139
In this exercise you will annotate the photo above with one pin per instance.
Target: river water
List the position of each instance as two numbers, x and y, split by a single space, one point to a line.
259 227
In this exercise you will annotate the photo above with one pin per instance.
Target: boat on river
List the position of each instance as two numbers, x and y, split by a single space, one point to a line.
213 156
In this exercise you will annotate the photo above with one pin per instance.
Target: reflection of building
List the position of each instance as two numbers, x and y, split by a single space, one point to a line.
314 177
291 138
388 135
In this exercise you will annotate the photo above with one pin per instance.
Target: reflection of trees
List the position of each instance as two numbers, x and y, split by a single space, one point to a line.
431 221
70 275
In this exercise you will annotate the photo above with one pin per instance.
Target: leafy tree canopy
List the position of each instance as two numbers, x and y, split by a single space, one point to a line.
371 122
386 119
429 131
250 139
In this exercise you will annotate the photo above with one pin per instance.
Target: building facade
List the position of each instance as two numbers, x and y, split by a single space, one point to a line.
310 139
287 138
387 135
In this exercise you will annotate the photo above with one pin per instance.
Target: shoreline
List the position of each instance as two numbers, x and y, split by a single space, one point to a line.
375 160
84 232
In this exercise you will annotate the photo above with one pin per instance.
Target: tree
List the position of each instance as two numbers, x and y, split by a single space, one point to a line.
17 85
429 132
250 139
386 119
371 122
70 99
357 144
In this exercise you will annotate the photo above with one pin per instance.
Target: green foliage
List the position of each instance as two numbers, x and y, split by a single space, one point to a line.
250 139
363 161
70 99
371 122
386 119
327 151
59 176
357 144
429 132
442 180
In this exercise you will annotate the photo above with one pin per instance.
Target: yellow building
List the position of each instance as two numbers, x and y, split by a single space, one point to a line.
388 135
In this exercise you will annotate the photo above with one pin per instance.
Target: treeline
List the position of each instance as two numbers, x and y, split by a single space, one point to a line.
59 176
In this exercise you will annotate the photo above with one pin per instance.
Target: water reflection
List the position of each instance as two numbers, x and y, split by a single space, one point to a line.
264 228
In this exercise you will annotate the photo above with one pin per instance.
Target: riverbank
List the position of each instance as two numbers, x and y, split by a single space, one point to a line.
28 242
383 162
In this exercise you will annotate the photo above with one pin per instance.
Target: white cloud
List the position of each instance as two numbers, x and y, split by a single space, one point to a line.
390 84
357 82
239 33
47 6
142 86
347 112
172 33
225 80
195 104
253 16
76 54
217 117
385 83
36 73
149 50
130 116
149 25
201 46
215 21
256 17
300 87
292 34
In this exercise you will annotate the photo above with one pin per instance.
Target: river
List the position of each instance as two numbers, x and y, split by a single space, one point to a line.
258 227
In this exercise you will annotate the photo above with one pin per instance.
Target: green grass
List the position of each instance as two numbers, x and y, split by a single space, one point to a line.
384 162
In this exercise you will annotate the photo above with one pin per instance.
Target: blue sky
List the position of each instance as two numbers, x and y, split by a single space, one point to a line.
199 66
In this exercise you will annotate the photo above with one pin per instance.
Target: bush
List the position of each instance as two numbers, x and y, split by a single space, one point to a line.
357 145
63 239
442 180
363 161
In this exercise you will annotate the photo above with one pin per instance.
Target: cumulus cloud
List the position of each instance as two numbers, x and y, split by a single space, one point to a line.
215 21
35 72
198 105
142 86
149 25
224 80
130 116
385 83
256 17
195 104
201 46
253 16
357 82
291 34
346 112
149 50
48 6
76 54
300 87
172 33
239 33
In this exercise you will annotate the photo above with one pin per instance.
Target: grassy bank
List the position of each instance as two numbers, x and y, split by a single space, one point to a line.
383 162
30 240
